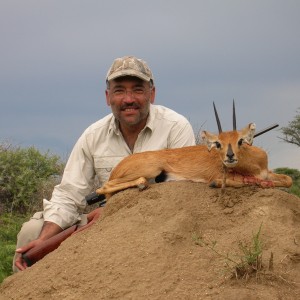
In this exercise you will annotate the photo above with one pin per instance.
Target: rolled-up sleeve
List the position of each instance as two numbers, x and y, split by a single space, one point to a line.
67 200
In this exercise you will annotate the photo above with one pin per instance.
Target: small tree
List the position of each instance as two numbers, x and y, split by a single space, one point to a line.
24 172
291 133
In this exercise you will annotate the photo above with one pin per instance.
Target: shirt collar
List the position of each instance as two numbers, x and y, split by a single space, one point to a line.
151 118
114 125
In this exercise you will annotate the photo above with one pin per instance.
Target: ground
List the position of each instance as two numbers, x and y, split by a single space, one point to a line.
175 240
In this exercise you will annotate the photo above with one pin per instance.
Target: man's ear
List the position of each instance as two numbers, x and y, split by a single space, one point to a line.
152 95
107 97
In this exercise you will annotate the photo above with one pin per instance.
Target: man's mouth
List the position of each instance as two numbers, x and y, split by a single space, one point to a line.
129 108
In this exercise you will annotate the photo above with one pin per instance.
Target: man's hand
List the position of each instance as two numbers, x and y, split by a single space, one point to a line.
20 263
49 229
92 217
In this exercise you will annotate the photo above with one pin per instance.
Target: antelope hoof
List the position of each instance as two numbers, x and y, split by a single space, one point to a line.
213 184
142 183
142 186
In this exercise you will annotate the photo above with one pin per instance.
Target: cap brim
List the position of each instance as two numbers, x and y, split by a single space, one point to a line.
128 73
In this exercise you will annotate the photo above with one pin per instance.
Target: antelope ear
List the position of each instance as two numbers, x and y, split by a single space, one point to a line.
248 133
208 139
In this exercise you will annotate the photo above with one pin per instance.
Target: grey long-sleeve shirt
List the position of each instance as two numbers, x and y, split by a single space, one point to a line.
100 148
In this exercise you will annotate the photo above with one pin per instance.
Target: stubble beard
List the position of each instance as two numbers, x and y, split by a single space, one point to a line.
137 119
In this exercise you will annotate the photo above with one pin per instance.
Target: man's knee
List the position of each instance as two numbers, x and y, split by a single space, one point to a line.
30 230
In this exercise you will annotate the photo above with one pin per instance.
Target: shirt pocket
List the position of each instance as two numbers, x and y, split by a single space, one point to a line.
104 166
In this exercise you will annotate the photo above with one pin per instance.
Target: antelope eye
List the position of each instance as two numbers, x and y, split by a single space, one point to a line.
240 142
218 145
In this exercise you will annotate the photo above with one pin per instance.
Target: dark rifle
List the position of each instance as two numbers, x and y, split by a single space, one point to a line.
266 130
37 253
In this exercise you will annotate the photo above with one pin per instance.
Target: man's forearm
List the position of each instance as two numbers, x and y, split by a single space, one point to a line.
49 229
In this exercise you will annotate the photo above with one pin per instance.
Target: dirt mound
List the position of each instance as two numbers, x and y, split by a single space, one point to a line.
176 240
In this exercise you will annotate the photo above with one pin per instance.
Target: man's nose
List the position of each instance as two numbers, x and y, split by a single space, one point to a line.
128 97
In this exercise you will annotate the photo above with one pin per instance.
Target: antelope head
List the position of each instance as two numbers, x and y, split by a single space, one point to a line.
228 143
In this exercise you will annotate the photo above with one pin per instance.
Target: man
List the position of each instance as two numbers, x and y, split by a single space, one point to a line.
135 125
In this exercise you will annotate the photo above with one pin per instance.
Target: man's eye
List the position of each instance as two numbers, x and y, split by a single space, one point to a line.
138 91
118 92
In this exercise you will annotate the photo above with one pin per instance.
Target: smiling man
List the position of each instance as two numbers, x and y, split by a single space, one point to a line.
129 98
135 125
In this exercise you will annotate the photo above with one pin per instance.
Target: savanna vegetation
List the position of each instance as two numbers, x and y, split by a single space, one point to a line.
291 133
26 177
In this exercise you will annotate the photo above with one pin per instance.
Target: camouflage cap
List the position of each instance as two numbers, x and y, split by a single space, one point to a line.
129 66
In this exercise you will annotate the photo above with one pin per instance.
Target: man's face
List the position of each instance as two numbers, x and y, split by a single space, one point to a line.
129 98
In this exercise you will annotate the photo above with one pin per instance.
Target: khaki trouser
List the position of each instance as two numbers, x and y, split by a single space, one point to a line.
31 230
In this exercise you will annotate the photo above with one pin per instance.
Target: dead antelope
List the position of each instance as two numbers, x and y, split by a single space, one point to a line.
230 153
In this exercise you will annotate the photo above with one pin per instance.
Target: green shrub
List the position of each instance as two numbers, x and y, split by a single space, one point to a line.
23 172
10 226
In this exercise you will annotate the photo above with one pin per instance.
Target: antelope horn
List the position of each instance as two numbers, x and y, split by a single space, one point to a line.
234 116
217 118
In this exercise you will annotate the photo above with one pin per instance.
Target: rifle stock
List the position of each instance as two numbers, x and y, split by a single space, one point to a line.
35 254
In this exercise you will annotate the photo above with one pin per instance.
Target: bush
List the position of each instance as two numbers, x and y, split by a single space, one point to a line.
23 173
10 226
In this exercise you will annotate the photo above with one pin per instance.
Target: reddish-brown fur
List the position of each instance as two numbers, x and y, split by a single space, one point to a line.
244 164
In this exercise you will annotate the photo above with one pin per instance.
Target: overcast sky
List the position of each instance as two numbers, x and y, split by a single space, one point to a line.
54 56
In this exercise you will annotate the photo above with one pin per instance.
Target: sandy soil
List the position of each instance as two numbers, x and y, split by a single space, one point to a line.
176 240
